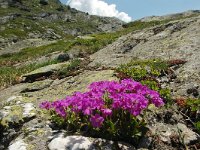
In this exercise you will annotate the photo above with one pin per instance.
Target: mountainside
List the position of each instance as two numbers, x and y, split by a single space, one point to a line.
172 16
47 20
162 54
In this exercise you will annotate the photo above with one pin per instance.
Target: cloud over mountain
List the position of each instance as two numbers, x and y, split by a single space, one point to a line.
99 7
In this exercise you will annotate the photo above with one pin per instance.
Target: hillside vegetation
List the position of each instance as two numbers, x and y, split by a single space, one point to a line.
10 74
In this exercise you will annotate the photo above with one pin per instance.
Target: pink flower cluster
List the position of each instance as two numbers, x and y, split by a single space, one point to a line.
104 97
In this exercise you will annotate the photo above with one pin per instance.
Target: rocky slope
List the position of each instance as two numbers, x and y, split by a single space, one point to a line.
45 20
174 40
29 128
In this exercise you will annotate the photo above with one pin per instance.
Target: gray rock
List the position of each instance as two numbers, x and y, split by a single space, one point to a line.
34 133
69 85
36 86
43 15
44 71
54 17
145 142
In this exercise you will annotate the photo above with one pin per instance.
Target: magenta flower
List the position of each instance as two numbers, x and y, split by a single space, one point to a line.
45 105
96 120
87 111
61 111
105 97
106 112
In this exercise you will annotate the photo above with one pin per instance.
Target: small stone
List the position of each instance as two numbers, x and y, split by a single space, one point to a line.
4 113
29 110
7 107
164 79
145 142
125 146
63 57
188 135
193 91
13 98
18 145
165 136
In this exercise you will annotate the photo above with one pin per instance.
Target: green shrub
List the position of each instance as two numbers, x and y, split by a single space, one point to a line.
142 69
146 71
190 107
11 75
193 104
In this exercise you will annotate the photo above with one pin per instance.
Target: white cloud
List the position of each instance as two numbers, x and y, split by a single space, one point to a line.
99 7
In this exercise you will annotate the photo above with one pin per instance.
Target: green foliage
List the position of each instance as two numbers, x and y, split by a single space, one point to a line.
141 69
197 125
2 128
11 75
66 71
146 72
88 46
94 44
165 93
13 31
121 127
33 52
8 73
190 107
151 84
74 64
193 104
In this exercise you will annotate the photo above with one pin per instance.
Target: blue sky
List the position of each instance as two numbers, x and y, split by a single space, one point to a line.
141 8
